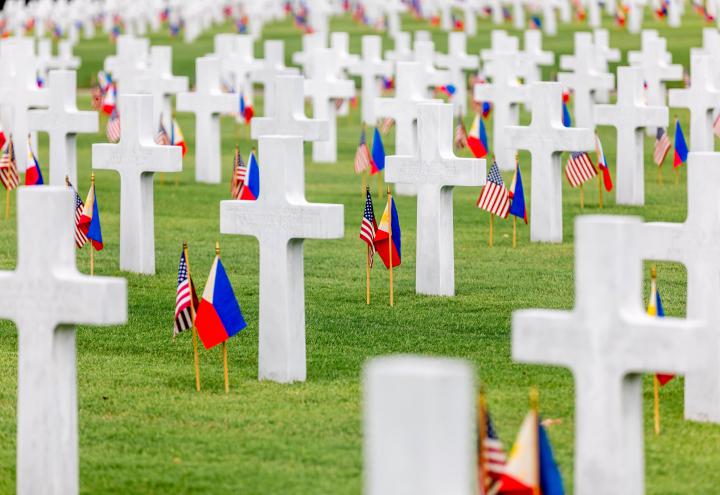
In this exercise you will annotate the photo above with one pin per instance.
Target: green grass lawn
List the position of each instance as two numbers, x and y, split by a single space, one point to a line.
144 429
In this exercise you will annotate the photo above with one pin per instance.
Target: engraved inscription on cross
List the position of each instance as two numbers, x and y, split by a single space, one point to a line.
701 98
62 121
435 170
136 158
289 118
46 297
696 244
607 341
630 115
546 138
281 219
207 102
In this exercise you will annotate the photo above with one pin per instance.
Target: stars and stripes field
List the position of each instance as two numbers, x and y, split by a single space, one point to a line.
145 429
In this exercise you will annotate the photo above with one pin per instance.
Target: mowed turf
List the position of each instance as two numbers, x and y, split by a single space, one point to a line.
144 429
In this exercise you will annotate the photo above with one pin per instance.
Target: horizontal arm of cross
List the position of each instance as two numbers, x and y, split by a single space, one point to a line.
547 337
665 241
95 300
141 159
443 171
641 116
556 139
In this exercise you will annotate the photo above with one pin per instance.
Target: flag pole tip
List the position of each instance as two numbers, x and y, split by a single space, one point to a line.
217 248
653 272
534 397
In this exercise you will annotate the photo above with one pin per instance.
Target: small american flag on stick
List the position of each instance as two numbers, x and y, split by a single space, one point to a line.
460 134
662 146
80 237
162 138
362 155
368 226
8 168
238 176
492 454
579 168
186 301
494 197
387 125
716 124
113 127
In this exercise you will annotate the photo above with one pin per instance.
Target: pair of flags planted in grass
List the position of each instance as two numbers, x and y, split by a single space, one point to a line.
217 316
496 199
9 175
655 308
476 140
373 160
173 138
580 168
662 144
87 219
530 469
384 239
245 179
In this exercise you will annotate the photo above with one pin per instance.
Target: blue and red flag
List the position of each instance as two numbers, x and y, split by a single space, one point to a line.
33 174
566 119
681 149
251 187
89 222
477 138
517 195
377 164
655 308
246 110
176 136
218 317
602 163
388 240
486 109
446 89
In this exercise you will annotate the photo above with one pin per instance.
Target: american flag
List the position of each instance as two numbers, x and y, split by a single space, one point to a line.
113 127
716 125
238 175
162 137
369 226
80 237
460 134
492 454
362 155
662 146
579 168
494 197
184 299
8 168
387 125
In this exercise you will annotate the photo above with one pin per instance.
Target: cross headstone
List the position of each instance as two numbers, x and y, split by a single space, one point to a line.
402 51
694 244
273 65
500 44
657 69
160 82
458 62
310 43
518 14
702 98
207 102
403 108
630 115
435 170
46 297
607 340
594 16
505 93
605 55
281 219
546 138
370 67
419 426
240 63
636 15
534 57
431 77
585 80
63 122
711 46
323 88
129 62
136 158
289 114
549 21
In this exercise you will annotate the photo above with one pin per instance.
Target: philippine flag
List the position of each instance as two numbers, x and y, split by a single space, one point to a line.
89 221
382 236
246 110
602 163
477 138
251 187
377 163
176 137
218 316
517 194
108 103
681 149
33 174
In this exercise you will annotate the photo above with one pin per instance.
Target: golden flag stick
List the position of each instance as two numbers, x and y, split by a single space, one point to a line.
656 404
582 197
7 204
192 317
534 406
224 345
490 241
367 275
390 251
514 244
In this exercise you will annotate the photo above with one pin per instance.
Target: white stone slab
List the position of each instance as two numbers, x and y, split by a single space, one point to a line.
136 158
46 297
281 219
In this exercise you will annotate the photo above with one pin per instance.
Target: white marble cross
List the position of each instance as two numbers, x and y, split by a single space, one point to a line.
546 138
136 158
403 108
435 170
207 102
129 62
549 20
289 114
273 65
419 427
310 43
711 46
281 219
46 297
607 341
500 44
605 55
402 51
458 62
702 98
585 79
160 82
340 44
323 88
630 115
431 77
63 122
239 62
505 93
694 243
636 15
370 68
534 57
657 69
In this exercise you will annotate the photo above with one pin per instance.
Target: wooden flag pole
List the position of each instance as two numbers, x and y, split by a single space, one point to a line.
379 181
600 191
514 244
364 185
390 250
677 176
224 345
367 275
656 403
490 241
192 317
600 175
660 176
582 197
7 204
92 250
482 433
534 406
